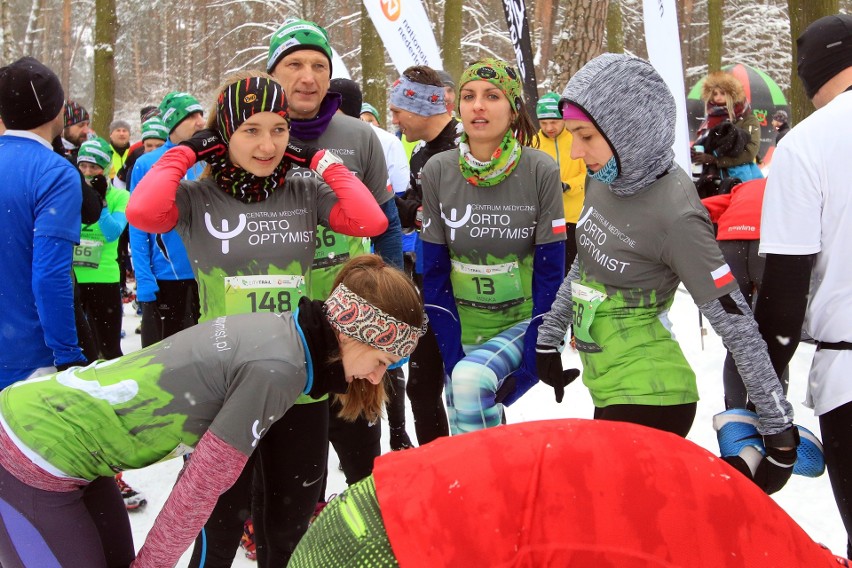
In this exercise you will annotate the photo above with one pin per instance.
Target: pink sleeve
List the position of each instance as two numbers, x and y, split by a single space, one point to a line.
152 206
213 468
356 212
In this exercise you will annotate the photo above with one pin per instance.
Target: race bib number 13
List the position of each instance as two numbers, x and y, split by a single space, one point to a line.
489 286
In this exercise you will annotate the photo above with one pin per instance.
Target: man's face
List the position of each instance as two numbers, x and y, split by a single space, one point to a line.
450 99
305 75
187 127
119 137
77 133
551 127
151 144
410 124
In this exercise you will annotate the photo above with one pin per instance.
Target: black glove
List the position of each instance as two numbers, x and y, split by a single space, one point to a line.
304 156
777 467
300 154
773 471
63 367
206 144
100 184
548 362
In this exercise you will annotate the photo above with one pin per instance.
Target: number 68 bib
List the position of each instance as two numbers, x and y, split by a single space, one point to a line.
585 301
263 293
489 286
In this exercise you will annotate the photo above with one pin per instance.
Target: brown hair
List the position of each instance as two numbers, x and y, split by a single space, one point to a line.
423 75
524 128
390 290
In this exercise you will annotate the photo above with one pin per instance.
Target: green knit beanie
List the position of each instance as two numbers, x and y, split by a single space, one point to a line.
154 128
176 107
96 151
548 107
295 35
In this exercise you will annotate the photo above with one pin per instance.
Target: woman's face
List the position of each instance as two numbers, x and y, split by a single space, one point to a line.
588 144
258 145
485 112
718 97
361 361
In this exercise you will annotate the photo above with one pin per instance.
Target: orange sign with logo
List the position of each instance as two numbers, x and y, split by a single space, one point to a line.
392 9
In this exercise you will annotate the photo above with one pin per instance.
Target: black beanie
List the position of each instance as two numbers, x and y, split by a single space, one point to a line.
351 93
30 94
824 50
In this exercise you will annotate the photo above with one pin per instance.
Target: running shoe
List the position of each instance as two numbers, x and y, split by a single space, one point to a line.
133 500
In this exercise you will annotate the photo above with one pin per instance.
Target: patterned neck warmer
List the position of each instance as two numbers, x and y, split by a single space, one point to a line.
243 185
502 163
607 174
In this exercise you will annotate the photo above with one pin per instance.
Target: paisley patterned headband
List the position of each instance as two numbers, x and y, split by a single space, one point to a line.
354 316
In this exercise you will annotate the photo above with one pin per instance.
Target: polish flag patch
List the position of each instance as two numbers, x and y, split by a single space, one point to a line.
558 225
722 276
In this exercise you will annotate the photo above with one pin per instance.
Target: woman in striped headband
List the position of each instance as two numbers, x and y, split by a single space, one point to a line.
493 247
250 230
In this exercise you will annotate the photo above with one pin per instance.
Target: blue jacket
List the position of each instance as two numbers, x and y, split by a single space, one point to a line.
157 256
40 202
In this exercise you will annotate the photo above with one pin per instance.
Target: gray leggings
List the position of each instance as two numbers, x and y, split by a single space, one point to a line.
88 527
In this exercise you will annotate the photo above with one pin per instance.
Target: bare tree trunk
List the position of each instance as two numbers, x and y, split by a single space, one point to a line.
65 71
546 12
714 50
582 39
375 86
451 40
614 28
7 41
32 26
802 13
106 30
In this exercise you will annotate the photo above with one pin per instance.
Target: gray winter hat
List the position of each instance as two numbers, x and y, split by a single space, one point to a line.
633 108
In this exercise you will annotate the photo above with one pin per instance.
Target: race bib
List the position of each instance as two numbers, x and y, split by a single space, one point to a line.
88 253
585 302
489 286
332 248
263 293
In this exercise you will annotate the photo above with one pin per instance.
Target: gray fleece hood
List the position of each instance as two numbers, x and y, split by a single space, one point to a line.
632 107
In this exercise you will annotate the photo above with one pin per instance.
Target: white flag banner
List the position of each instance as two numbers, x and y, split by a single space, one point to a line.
338 67
663 40
406 32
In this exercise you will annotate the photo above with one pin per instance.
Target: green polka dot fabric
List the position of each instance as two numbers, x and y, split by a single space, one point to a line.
348 533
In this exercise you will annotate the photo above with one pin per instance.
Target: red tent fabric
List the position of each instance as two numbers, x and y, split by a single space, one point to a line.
581 493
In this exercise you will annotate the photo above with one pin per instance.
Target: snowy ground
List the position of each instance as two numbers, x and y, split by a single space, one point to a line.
808 501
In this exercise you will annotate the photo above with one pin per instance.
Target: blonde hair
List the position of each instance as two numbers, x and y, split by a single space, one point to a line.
390 290
728 84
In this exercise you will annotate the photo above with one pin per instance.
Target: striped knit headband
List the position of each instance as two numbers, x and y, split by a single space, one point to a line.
354 316
245 98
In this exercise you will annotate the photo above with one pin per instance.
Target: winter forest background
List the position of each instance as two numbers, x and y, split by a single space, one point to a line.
191 45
